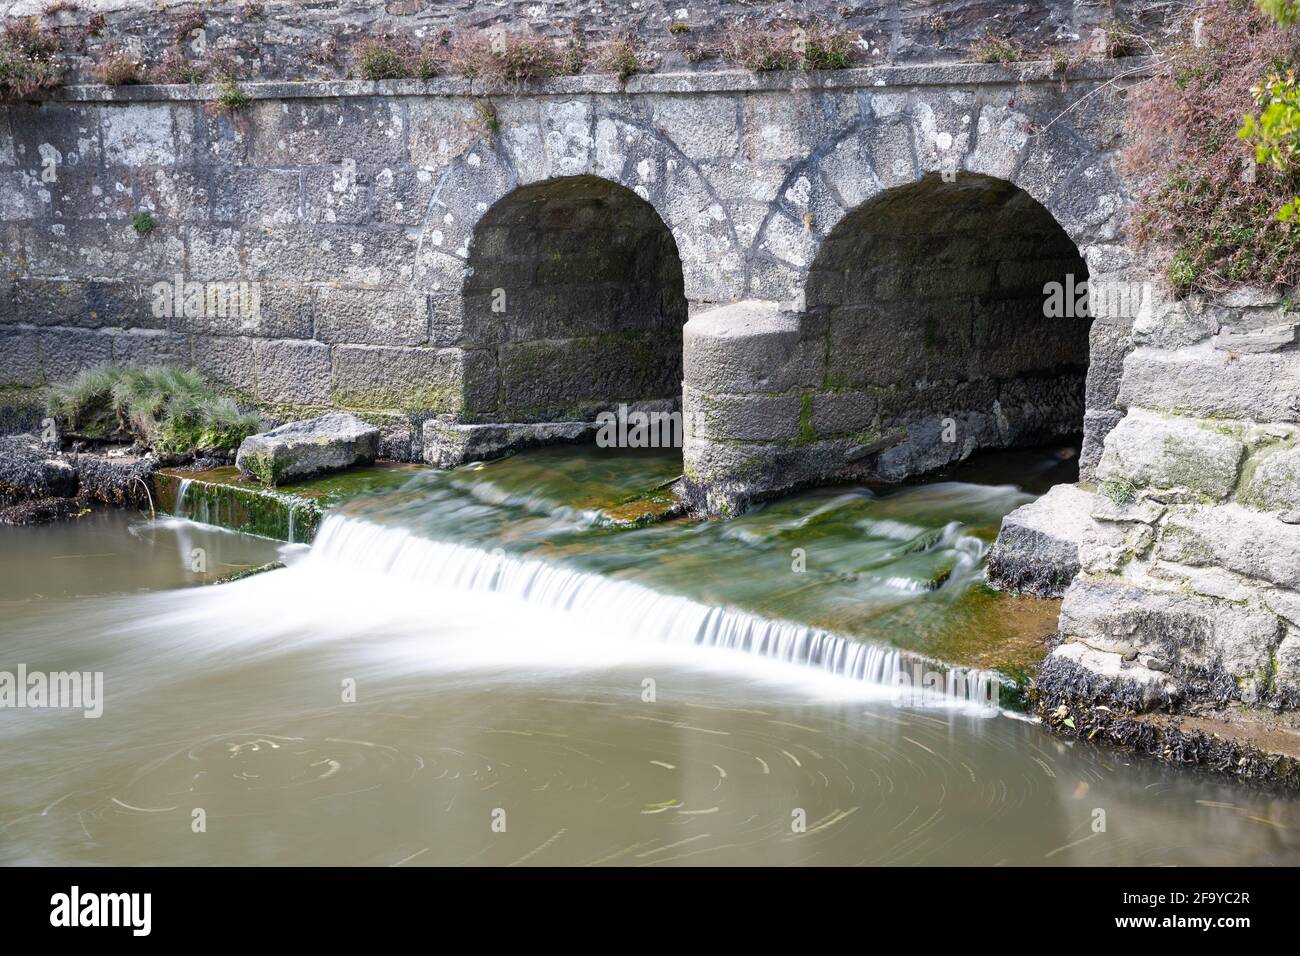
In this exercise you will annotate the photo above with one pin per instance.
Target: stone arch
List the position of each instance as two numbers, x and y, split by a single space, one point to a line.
940 335
553 138
907 136
574 288
920 338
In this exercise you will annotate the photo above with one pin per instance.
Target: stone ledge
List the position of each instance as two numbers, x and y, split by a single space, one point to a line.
720 81
448 444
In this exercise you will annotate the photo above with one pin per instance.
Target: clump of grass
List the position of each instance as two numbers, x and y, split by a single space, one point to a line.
812 47
96 25
173 411
1200 201
425 63
510 57
1121 491
384 58
679 27
143 223
252 10
486 122
30 61
992 48
230 97
176 67
118 69
61 6
1114 39
381 59
621 56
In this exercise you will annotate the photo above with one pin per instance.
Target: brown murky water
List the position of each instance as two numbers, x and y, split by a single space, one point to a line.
370 706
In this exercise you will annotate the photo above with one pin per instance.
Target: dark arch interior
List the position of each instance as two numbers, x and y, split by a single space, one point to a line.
576 287
932 296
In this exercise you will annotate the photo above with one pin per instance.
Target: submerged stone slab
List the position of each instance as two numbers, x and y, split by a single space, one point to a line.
448 444
1037 550
303 449
1155 451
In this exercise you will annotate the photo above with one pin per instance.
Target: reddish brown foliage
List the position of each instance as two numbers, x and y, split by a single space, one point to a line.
1196 202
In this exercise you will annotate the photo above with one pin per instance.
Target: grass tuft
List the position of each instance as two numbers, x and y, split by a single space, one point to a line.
812 47
172 410
118 69
991 48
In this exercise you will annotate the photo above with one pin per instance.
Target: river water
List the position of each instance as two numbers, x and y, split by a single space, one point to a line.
483 667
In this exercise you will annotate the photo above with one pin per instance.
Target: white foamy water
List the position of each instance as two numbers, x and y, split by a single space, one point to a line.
616 610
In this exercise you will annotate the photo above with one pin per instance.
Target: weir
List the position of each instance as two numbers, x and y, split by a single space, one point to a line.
600 604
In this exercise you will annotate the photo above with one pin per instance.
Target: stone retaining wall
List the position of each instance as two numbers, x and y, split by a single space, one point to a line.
1188 555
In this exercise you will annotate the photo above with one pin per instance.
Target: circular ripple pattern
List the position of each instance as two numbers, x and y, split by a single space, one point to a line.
459 773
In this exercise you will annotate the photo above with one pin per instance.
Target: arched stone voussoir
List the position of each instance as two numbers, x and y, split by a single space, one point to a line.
1091 203
568 138
652 166
943 129
469 188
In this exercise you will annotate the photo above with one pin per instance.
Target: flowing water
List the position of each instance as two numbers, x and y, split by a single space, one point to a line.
487 667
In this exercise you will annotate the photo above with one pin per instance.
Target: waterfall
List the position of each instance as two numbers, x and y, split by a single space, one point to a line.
180 498
630 609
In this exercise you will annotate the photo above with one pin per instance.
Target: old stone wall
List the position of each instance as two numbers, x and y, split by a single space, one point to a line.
338 244
290 40
1190 573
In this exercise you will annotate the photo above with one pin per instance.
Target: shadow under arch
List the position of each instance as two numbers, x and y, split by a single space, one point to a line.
944 330
575 287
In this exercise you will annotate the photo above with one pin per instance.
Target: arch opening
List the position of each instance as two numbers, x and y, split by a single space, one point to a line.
576 288
944 331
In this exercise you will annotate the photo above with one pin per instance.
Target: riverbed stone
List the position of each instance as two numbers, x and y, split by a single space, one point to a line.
1077 672
1199 635
1165 452
302 449
28 471
1037 549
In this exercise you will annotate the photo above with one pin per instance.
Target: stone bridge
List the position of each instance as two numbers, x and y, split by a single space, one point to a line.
862 256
